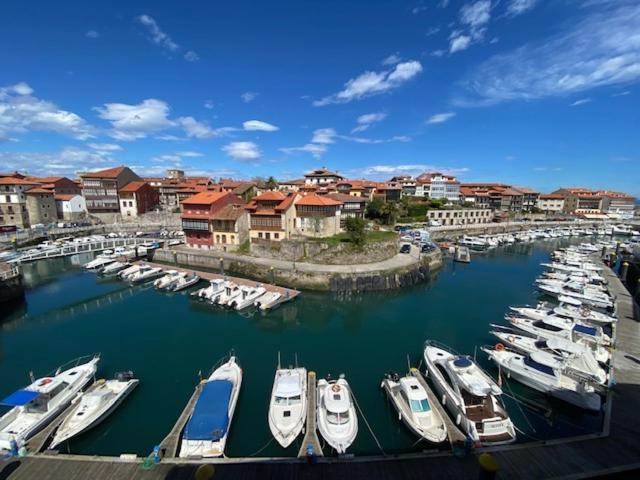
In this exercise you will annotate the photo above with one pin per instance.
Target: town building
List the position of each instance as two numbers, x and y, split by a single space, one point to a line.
357 188
352 207
465 216
500 197
292 185
174 189
581 201
317 216
57 185
618 204
407 183
551 203
100 189
41 206
529 198
387 192
438 186
137 198
272 216
198 217
230 226
13 200
322 175
70 206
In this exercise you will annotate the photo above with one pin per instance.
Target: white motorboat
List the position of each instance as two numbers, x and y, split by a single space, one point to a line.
231 291
169 277
94 405
470 395
98 263
247 297
127 272
215 287
114 268
584 314
586 296
621 230
184 282
145 274
554 326
288 405
37 405
336 414
206 432
268 300
571 268
576 357
409 398
544 373
575 285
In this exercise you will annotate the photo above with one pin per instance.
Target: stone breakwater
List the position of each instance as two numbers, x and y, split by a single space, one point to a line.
398 272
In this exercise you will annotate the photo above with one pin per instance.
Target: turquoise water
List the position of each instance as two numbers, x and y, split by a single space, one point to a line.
166 339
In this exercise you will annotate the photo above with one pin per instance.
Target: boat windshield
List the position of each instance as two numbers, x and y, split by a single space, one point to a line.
338 418
529 362
546 326
286 401
419 406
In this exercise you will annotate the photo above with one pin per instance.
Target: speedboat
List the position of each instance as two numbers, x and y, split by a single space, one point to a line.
113 268
98 263
94 405
231 291
288 406
268 300
145 274
248 296
578 358
205 434
169 277
336 413
127 272
184 281
571 268
545 373
409 397
586 296
554 326
215 287
584 314
470 395
37 405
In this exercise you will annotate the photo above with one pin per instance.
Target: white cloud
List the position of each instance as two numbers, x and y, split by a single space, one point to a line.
476 14
191 56
21 112
92 34
458 42
157 36
474 18
438 53
257 125
418 9
365 121
518 7
581 101
409 169
440 117
197 129
105 147
190 153
131 122
324 135
622 94
66 161
392 59
432 31
248 97
242 150
209 105
171 158
602 48
373 83
314 149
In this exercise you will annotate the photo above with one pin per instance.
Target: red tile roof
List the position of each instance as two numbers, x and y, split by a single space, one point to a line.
318 201
108 173
270 196
341 197
38 190
16 181
551 196
133 186
229 212
65 197
204 198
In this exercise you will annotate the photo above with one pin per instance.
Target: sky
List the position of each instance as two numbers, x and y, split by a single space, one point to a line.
535 93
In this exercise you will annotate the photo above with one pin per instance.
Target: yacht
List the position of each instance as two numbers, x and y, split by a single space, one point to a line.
621 230
470 395
37 405
247 297
288 405
544 373
584 314
577 358
409 397
268 300
584 295
571 268
216 286
169 277
336 413
553 326
205 434
145 274
96 404
184 282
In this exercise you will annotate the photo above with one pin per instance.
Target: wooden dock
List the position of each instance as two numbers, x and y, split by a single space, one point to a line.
455 436
311 433
169 446
37 443
287 293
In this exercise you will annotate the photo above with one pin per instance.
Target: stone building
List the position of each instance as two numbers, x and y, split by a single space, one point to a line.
272 216
13 200
41 206
317 216
100 189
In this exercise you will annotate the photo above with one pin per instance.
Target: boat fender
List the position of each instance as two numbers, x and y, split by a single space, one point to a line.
458 419
444 399
511 338
399 415
499 347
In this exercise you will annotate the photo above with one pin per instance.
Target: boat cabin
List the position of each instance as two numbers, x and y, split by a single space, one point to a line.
288 392
415 395
336 401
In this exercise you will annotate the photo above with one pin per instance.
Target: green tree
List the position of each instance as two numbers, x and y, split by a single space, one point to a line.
373 209
272 183
388 213
356 230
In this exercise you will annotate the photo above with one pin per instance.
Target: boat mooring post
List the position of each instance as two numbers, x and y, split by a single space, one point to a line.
221 266
623 271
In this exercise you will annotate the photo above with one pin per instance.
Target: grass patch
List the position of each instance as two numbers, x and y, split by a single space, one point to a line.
373 236
244 247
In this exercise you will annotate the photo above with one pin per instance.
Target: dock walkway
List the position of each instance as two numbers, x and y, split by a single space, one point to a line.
311 433
169 446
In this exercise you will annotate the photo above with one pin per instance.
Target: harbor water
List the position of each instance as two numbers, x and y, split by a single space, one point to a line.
168 339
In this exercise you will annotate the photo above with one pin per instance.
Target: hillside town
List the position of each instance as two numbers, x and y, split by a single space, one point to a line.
225 214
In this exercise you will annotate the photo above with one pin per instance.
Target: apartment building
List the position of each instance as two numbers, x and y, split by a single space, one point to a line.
551 203
13 200
137 198
322 175
199 218
461 216
272 216
100 189
438 186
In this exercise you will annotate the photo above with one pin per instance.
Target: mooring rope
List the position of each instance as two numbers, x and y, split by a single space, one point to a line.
367 423
261 449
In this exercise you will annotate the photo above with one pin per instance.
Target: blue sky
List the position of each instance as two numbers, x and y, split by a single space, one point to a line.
538 93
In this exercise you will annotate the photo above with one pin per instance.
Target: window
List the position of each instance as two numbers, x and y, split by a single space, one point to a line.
420 405
338 418
529 362
276 235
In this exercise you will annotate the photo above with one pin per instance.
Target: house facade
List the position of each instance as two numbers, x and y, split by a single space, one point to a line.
230 226
272 216
551 203
438 186
470 216
198 217
322 175
352 207
13 200
137 198
70 206
100 189
317 216
41 206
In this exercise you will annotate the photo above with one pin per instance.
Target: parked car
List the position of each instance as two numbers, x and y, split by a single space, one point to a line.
405 248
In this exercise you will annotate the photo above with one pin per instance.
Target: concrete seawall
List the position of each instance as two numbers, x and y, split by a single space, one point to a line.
398 272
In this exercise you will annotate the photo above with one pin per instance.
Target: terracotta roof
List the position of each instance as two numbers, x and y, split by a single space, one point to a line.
65 197
133 186
551 196
243 188
108 173
229 212
264 212
44 179
204 198
527 190
38 190
318 201
322 172
271 195
298 181
16 181
341 197
195 216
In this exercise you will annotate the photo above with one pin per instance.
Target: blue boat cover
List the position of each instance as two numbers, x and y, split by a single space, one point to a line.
210 417
19 398
585 330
